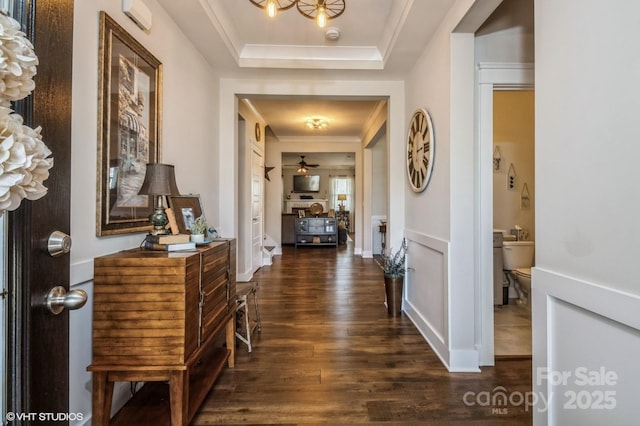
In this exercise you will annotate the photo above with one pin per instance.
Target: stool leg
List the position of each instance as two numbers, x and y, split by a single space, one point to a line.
255 303
242 309
246 325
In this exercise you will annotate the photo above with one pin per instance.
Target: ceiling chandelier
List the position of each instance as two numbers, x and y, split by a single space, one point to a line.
320 10
316 123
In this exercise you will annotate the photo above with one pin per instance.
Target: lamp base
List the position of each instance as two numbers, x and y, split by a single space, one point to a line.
156 231
159 221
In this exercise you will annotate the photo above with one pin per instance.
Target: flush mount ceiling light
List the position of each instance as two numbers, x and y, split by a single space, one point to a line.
316 123
320 10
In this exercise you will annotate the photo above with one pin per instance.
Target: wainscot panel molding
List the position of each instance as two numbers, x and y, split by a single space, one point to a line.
431 320
575 326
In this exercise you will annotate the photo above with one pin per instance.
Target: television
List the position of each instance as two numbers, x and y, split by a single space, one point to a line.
306 183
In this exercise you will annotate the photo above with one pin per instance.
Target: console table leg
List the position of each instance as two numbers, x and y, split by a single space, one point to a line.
102 395
231 340
179 397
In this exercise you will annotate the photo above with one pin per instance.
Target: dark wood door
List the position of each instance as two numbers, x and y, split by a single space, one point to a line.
39 340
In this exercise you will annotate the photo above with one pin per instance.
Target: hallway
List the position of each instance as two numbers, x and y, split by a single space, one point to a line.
328 353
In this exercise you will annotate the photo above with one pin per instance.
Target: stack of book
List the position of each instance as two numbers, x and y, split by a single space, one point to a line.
169 242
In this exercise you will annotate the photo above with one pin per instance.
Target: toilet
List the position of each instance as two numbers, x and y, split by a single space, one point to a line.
518 260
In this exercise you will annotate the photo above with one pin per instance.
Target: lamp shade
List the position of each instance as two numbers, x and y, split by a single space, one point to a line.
160 179
342 197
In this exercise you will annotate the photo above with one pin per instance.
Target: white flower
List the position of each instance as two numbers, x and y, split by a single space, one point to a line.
18 62
24 158
24 161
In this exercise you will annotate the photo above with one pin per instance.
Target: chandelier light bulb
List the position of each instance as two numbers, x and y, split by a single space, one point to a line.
322 16
271 8
313 9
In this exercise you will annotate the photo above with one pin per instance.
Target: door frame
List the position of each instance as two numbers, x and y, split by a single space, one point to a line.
256 151
39 383
490 77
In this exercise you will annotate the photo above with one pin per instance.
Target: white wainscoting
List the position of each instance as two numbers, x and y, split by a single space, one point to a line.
426 290
583 329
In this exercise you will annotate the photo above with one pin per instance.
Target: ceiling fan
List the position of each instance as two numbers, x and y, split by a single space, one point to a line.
303 166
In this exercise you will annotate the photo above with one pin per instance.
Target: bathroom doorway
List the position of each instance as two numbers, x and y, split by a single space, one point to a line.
513 212
493 77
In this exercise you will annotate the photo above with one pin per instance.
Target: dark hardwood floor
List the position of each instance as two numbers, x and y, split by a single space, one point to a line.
328 353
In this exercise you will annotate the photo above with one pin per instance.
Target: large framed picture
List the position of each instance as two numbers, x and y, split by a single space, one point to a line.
187 209
129 118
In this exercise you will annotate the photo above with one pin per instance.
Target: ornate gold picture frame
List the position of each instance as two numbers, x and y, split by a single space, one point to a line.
129 118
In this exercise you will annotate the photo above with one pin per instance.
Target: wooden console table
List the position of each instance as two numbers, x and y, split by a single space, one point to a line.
316 231
156 318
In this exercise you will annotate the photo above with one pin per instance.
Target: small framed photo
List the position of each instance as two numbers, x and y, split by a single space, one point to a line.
187 209
301 213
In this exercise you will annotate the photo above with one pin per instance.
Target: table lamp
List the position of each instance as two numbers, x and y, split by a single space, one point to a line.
159 181
342 197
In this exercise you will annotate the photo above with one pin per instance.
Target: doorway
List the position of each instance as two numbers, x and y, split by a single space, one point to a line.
513 210
257 173
492 77
389 106
250 198
324 178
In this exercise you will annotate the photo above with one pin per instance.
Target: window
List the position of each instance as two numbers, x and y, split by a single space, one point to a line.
342 185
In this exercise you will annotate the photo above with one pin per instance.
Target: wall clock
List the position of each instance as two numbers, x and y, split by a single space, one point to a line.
257 131
420 147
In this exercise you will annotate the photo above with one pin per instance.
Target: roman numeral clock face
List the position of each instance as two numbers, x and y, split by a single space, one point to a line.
420 145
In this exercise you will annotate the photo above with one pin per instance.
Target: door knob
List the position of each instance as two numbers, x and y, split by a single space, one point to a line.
58 299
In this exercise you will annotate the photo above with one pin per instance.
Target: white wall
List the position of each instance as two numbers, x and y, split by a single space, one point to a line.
586 294
507 36
379 174
273 192
379 187
189 142
439 221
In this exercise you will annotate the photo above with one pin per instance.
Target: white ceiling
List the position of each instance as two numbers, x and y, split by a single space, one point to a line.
287 116
379 40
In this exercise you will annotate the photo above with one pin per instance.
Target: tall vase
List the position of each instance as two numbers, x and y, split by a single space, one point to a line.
393 287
